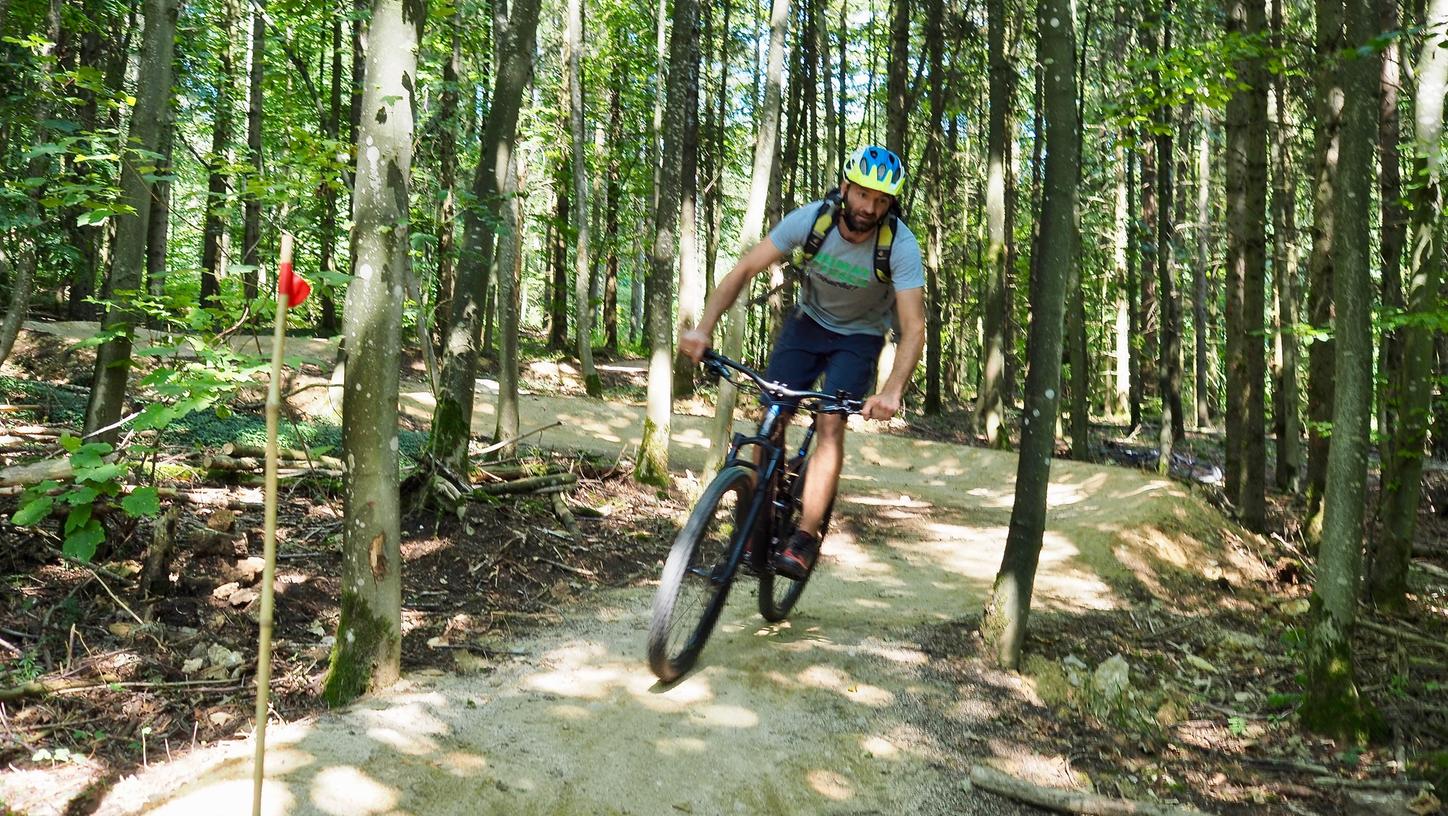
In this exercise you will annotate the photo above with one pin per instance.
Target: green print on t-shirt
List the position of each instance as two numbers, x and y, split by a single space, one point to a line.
841 272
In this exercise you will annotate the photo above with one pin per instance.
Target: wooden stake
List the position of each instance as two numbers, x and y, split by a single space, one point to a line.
263 650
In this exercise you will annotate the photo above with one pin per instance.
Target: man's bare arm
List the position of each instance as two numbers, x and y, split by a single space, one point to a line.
910 317
760 257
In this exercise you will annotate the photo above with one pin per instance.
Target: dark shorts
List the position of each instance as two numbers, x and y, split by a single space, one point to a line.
805 350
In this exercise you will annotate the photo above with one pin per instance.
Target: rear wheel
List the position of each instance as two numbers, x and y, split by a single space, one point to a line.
778 593
698 573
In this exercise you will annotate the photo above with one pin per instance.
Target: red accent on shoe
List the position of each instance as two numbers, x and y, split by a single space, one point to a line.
798 556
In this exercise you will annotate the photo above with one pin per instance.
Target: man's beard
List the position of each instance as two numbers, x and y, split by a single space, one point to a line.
858 222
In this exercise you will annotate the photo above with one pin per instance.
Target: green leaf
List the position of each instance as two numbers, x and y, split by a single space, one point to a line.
79 517
81 494
32 511
70 443
82 543
101 475
144 501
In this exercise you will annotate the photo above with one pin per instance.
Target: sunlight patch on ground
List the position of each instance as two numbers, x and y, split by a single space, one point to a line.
1016 760
462 764
830 678
831 785
346 791
231 797
879 747
724 716
675 746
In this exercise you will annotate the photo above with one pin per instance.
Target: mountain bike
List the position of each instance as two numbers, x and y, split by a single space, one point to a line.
745 515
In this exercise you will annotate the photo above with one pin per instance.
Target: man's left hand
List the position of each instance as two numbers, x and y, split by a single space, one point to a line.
882 406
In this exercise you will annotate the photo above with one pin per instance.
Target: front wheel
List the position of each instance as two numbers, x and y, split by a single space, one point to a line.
778 593
698 573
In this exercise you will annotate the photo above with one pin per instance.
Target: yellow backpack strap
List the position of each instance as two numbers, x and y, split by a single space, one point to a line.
884 241
824 222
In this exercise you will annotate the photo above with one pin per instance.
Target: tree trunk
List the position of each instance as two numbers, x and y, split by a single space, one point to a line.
1320 265
510 267
1287 424
113 358
368 652
654 446
1204 259
1120 393
1246 274
935 231
765 141
1148 325
213 240
583 311
990 403
1331 703
159 226
1003 625
611 236
558 254
327 324
452 418
897 104
1411 385
691 280
1394 219
251 208
447 170
1169 373
1133 292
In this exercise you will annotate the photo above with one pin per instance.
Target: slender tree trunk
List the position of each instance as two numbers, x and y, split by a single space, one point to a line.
990 403
368 653
765 142
510 302
251 209
1393 226
1133 291
447 170
113 358
159 227
1003 625
1331 702
1411 385
327 324
1121 391
611 236
654 446
213 240
452 418
1287 424
558 254
1204 259
1147 324
583 313
935 238
1246 270
897 92
1320 266
691 279
1078 356
1169 373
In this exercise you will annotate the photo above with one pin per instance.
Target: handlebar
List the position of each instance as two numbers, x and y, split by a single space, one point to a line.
724 367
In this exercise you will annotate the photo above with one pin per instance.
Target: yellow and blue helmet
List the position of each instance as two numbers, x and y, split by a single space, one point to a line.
877 168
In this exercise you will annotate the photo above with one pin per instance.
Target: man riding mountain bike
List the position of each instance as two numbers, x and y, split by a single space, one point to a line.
861 275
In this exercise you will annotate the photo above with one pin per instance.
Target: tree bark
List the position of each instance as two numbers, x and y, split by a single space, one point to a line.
1411 385
1202 366
1286 421
691 279
327 324
654 446
447 170
765 141
452 418
1331 703
1003 624
990 403
255 112
213 247
583 309
1169 374
610 229
1246 274
1329 41
509 291
368 652
113 358
897 104
1393 226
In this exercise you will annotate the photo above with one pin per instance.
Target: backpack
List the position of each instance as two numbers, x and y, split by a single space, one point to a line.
829 214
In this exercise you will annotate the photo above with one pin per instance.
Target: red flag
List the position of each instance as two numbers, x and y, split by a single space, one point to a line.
294 286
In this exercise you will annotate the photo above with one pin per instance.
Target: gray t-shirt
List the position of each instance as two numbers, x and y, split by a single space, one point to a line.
840 290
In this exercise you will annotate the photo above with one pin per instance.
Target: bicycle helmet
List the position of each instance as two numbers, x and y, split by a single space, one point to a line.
877 168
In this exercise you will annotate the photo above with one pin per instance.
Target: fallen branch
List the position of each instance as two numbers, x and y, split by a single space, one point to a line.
255 452
506 442
1432 569
12 409
32 473
1068 801
1370 784
1403 632
525 485
560 509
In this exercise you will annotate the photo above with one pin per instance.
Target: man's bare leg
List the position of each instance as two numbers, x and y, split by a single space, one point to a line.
825 464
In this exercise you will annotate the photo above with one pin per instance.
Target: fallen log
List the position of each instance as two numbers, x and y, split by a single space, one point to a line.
525 485
31 473
1068 801
236 449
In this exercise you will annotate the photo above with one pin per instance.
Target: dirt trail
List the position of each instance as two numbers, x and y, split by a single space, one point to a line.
821 714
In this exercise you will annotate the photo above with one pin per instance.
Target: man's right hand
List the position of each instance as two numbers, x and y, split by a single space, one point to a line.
693 343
